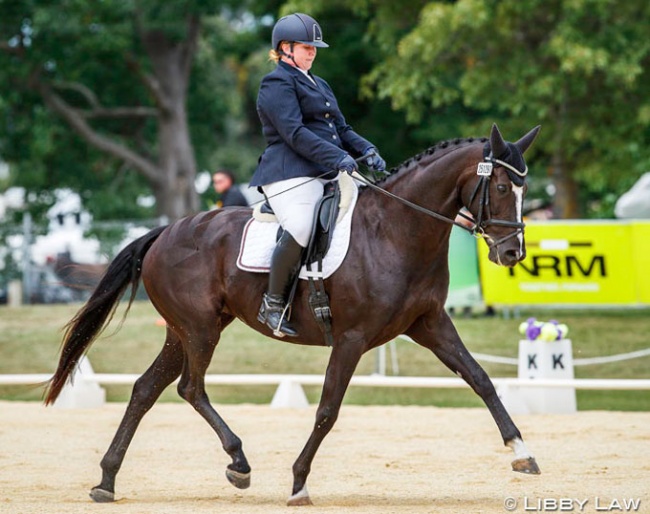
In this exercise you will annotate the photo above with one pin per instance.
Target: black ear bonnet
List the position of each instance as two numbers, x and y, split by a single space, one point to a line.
512 156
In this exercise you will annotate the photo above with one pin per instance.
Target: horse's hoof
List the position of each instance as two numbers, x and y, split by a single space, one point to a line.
102 495
239 480
528 466
299 499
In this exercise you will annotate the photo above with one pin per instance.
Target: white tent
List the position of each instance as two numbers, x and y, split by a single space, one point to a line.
635 203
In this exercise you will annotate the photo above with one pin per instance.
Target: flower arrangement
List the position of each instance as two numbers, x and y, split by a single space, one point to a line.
543 331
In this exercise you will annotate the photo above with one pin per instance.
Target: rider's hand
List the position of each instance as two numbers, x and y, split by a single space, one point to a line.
374 160
348 164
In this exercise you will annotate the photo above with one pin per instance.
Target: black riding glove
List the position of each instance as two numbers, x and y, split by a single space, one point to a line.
374 160
348 164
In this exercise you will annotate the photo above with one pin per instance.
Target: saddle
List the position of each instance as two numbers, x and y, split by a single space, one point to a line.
325 216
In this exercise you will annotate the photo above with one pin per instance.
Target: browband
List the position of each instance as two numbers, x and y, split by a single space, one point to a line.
506 165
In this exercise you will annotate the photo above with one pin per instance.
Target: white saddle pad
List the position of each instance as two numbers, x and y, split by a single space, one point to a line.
259 239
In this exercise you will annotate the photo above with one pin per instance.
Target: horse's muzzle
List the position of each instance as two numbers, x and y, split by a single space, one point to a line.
507 254
511 257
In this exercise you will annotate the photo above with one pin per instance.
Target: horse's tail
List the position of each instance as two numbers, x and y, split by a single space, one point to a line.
96 314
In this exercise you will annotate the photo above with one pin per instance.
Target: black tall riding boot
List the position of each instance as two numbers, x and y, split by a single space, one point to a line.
285 263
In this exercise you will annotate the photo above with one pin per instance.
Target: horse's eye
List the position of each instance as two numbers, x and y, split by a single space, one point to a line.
502 188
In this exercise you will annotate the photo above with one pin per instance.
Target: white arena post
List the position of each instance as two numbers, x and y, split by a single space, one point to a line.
81 391
289 394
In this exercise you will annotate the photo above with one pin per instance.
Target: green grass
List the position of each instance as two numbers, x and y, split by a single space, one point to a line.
30 340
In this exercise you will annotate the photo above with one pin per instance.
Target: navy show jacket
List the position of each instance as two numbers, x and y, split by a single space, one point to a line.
304 128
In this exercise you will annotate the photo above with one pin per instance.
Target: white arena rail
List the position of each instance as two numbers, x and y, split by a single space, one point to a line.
85 390
357 380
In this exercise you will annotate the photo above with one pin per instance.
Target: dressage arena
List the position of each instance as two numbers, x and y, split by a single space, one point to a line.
377 460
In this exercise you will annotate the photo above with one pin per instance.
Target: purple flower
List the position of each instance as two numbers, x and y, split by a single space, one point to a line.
533 332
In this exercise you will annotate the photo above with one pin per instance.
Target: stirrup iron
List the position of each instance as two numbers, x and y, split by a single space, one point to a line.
277 332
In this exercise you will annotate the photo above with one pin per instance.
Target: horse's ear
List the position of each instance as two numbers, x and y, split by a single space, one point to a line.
524 143
497 143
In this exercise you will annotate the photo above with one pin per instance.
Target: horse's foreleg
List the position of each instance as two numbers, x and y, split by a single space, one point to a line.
192 388
439 335
343 362
146 391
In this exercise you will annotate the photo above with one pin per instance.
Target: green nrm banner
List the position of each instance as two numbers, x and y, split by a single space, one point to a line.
574 263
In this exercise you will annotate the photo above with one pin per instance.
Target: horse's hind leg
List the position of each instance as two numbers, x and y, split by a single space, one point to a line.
147 389
199 349
440 336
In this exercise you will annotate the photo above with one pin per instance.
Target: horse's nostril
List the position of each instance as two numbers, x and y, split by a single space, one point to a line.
513 255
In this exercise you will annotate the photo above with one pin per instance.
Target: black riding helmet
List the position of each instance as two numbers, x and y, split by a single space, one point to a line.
298 28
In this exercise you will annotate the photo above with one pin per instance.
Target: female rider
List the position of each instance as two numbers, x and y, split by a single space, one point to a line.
308 143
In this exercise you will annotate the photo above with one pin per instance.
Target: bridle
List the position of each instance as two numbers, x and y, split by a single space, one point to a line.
482 190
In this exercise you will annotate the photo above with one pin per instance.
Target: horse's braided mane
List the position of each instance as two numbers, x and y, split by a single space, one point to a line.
440 148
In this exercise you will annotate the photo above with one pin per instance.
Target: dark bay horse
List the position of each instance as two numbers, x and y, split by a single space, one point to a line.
393 281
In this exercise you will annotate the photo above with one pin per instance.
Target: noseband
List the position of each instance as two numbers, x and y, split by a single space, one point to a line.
482 189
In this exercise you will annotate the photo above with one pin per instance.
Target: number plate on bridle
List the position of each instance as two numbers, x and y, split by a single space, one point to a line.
484 169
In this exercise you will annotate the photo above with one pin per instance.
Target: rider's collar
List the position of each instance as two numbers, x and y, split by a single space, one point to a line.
306 74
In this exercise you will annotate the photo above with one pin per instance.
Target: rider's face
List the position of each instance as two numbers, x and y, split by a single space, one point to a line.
304 55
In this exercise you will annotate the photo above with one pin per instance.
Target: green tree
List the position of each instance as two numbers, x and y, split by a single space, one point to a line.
578 67
121 75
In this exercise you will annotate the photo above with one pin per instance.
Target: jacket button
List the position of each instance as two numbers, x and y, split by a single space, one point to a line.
327 114
333 137
327 103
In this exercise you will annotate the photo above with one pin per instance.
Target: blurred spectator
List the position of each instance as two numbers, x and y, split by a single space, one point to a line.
224 184
465 218
538 209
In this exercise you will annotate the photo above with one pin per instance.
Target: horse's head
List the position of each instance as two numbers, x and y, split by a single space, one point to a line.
495 197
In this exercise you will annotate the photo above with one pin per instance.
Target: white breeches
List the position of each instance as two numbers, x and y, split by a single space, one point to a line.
293 201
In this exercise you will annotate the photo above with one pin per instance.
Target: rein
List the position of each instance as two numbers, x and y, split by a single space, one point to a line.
414 206
484 169
482 188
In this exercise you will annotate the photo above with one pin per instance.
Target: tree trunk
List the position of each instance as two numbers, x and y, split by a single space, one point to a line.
175 193
565 205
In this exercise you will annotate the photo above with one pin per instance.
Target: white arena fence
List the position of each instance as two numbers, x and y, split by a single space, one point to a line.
85 390
357 380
